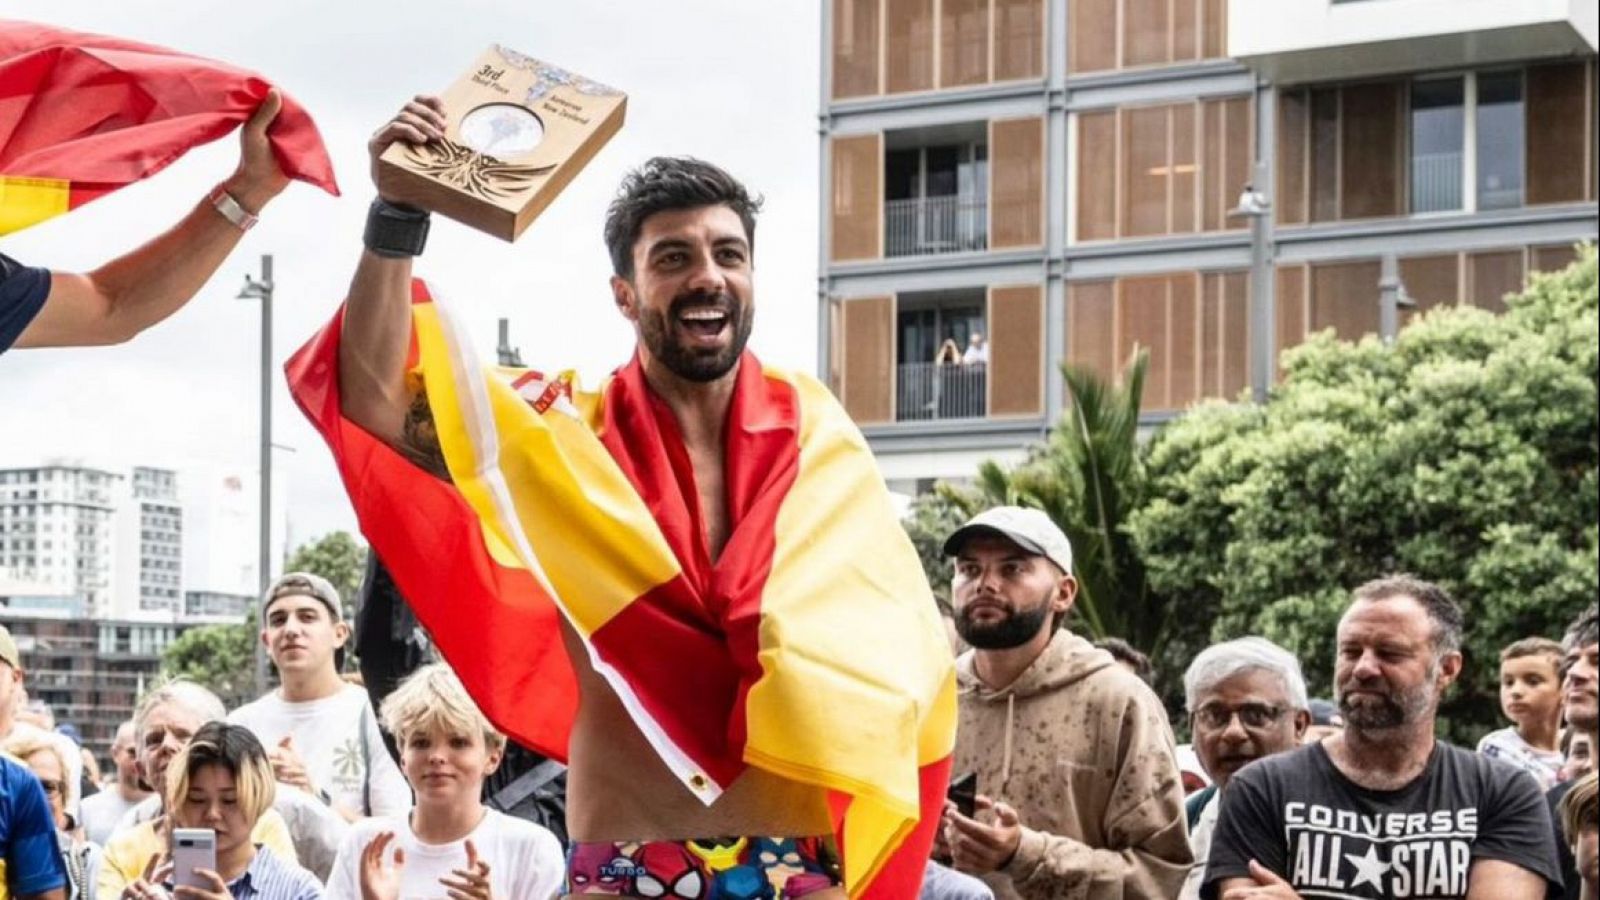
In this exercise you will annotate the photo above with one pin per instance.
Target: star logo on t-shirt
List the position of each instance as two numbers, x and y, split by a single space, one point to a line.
1369 869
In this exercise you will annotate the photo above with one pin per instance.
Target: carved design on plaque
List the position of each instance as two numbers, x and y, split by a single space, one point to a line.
476 173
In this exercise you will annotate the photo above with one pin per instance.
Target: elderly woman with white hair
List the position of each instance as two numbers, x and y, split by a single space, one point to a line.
44 757
167 719
1246 700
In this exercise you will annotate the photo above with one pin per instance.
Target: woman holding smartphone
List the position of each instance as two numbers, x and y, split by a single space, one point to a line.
222 783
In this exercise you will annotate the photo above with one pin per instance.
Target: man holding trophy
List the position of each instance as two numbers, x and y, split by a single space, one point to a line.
689 584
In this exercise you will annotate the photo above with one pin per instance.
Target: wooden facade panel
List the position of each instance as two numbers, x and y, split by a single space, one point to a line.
1491 275
1016 350
1091 328
1552 258
1235 373
1556 132
1097 176
1294 121
1142 323
1183 167
1344 297
1093 35
1183 341
963 42
1016 168
1145 170
1432 280
908 49
857 191
1018 39
1291 312
1372 150
856 42
866 365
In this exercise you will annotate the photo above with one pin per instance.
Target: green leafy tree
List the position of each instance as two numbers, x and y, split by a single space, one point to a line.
1465 452
336 556
221 657
931 518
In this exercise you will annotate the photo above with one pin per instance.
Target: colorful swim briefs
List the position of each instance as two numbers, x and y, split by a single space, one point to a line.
713 869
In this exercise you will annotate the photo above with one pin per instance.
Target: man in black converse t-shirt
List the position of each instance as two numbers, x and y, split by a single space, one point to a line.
1383 809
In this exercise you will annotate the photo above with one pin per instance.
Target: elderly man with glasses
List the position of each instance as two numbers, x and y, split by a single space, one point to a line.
1246 700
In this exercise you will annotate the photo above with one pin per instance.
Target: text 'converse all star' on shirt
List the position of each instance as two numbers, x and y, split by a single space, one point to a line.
1299 816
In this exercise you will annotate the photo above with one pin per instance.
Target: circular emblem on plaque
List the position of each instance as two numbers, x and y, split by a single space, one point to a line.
501 130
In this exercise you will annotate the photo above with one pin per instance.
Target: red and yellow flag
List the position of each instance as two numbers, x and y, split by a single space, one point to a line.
811 648
83 114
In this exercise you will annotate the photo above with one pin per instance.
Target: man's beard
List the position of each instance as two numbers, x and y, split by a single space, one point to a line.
1395 708
690 363
1017 628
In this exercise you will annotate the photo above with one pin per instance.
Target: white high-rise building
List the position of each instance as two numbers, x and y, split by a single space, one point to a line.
150 530
56 531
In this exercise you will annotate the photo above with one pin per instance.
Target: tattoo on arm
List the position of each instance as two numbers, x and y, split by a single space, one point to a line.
419 439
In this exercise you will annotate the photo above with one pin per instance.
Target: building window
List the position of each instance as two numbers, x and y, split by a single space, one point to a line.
936 199
1438 136
1479 141
1439 111
1500 131
936 376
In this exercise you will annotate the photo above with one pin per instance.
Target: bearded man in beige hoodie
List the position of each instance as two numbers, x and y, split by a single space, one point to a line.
1079 791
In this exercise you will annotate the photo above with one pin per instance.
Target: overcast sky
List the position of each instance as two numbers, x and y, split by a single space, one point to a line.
731 81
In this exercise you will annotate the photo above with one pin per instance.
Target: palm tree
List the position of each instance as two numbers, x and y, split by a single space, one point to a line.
1087 476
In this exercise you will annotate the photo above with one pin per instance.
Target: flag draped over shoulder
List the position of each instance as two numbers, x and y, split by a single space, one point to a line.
82 115
811 647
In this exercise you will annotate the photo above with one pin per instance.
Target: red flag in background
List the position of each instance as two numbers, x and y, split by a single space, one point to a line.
84 114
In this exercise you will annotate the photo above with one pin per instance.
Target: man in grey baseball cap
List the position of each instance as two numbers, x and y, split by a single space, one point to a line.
1071 751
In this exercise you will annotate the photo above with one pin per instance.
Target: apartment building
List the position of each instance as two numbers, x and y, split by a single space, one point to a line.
90 672
150 519
1063 178
56 534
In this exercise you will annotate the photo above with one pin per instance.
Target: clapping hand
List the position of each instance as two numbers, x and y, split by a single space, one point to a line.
471 883
379 879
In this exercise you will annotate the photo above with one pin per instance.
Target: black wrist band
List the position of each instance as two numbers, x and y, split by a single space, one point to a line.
395 231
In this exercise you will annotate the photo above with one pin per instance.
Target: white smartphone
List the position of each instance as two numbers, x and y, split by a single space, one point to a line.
193 848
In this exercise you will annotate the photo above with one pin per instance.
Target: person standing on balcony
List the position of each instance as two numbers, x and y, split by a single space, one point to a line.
949 354
977 351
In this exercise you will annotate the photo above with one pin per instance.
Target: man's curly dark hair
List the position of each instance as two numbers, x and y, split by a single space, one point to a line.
671 183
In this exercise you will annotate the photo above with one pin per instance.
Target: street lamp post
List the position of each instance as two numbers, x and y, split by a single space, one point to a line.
1257 207
262 290
1392 298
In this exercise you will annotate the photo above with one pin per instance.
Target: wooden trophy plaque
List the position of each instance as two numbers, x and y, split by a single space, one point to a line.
518 130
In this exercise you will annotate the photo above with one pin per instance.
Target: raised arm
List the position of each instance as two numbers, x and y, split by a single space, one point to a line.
138 289
377 312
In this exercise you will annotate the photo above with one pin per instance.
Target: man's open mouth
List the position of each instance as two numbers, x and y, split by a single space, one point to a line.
703 321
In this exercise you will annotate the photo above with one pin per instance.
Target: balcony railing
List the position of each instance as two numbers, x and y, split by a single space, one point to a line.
923 226
1435 182
929 391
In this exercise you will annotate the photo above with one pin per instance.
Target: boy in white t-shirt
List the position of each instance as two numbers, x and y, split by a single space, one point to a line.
319 730
450 844
1530 696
